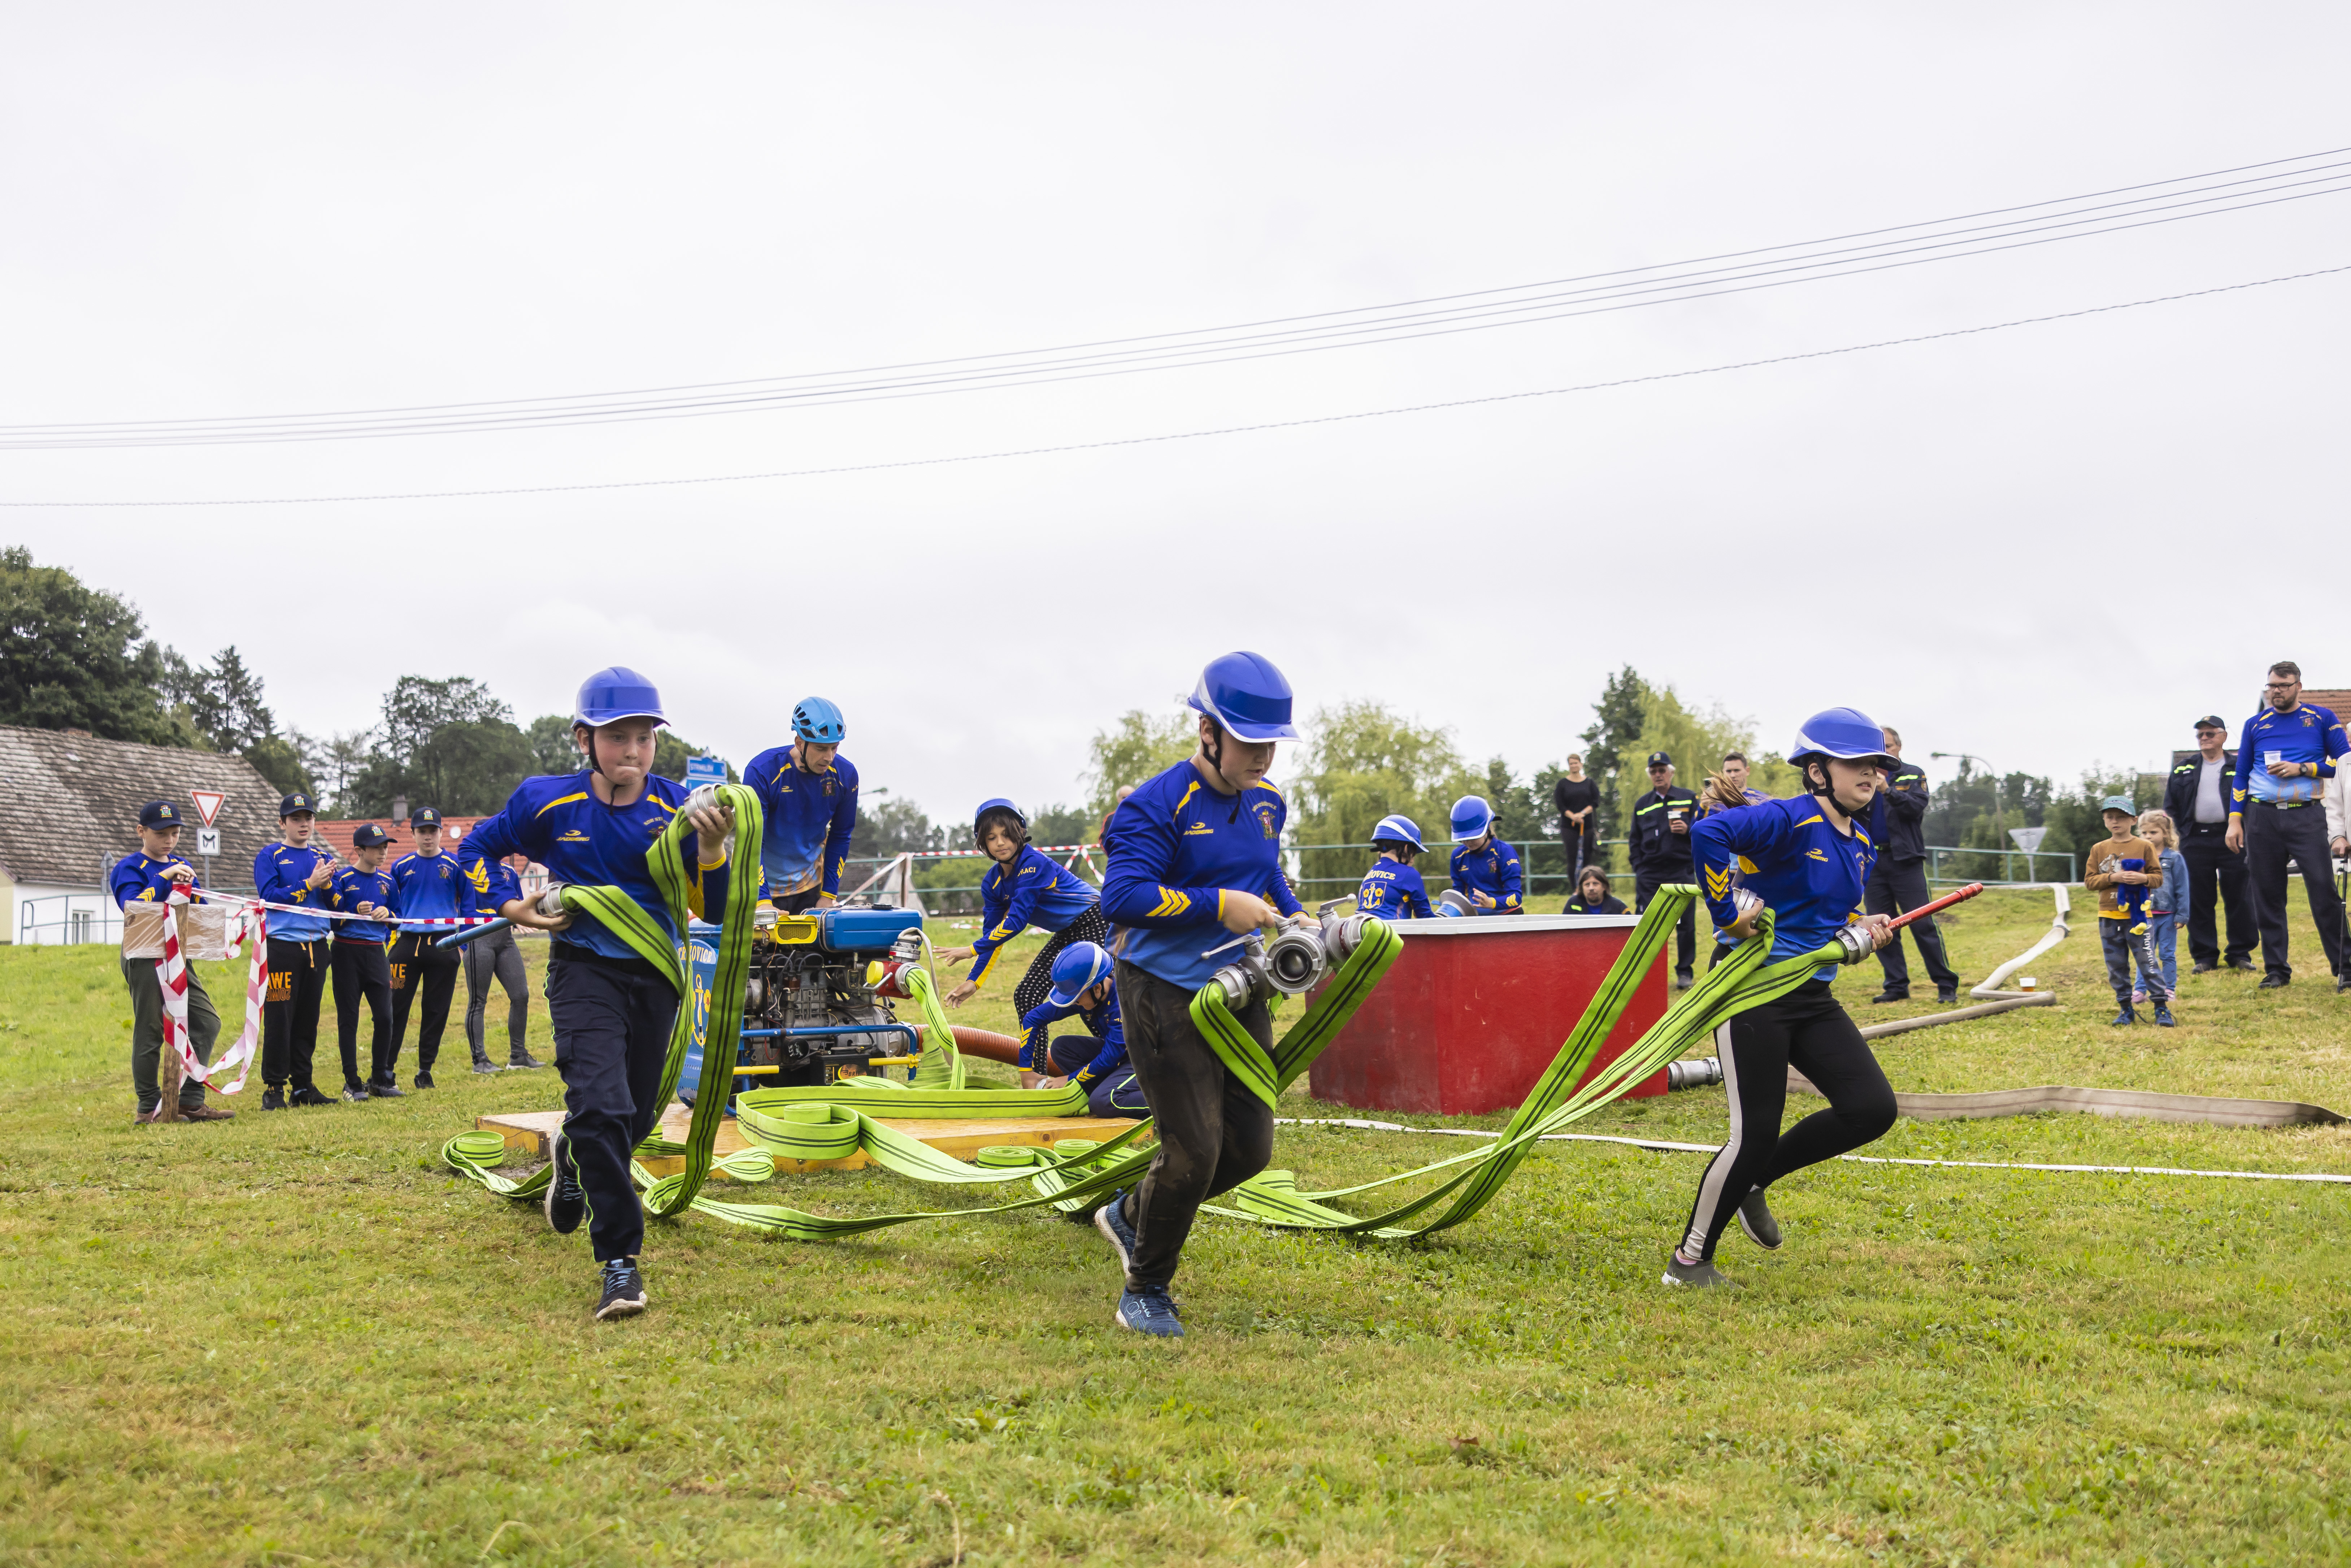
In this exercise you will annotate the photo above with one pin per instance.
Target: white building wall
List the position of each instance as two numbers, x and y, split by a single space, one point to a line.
50 917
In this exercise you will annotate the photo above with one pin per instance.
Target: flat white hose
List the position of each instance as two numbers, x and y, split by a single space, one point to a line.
2056 933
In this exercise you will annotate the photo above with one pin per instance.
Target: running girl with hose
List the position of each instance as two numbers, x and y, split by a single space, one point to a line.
1194 854
1807 860
610 1004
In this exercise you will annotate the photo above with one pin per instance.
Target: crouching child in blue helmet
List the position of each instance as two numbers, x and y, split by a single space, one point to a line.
809 794
1194 856
610 1003
1485 870
1392 889
1807 860
1023 888
1085 987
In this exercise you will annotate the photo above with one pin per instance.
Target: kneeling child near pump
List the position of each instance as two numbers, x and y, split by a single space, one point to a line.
1084 988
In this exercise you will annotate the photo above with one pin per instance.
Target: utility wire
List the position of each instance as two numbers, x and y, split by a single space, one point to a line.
1185 434
1775 267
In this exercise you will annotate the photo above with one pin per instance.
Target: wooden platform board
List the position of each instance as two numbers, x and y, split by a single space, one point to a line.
526 1133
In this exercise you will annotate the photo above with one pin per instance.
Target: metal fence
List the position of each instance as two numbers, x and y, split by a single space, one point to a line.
68 919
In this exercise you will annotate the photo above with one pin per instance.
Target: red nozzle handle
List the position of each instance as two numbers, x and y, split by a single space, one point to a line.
1945 902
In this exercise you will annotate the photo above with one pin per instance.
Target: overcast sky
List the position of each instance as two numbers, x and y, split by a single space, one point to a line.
2051 546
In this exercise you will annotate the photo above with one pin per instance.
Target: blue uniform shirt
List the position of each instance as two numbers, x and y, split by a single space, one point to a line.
1171 849
811 818
141 879
1809 875
431 887
353 887
2308 734
1393 891
1493 871
490 884
558 822
279 872
1102 1022
1032 890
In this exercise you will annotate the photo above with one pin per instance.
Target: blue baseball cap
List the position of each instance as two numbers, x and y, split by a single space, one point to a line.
296 802
424 817
368 836
159 814
2117 803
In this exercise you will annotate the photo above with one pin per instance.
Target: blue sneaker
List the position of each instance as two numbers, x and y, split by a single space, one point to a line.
2163 1019
1110 1220
2124 1017
1151 1312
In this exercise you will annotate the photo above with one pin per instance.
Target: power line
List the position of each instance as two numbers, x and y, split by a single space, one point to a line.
2171 201
1185 434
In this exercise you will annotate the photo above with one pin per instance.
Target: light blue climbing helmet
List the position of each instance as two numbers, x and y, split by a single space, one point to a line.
613 693
1081 966
1398 830
818 722
1244 693
1472 818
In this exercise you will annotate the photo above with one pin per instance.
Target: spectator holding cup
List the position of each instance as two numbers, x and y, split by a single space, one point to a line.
2285 758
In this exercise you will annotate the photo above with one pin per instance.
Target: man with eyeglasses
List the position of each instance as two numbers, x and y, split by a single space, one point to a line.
2287 752
2195 798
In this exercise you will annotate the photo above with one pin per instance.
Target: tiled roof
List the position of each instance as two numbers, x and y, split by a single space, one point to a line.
69 805
338 832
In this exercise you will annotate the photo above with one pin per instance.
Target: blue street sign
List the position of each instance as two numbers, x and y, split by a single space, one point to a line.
704 770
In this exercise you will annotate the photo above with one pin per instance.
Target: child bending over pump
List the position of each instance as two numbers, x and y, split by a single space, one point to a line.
1592 895
1485 869
1023 888
1392 889
1807 860
1194 854
1085 989
611 1004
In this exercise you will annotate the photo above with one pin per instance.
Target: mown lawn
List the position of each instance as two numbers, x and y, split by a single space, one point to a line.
295 1338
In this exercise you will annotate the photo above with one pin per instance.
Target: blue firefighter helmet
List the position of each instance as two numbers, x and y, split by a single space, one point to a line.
613 693
1398 830
1081 966
818 722
1472 818
989 808
1244 693
1845 733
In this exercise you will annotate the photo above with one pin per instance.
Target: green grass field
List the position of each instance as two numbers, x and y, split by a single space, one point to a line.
295 1338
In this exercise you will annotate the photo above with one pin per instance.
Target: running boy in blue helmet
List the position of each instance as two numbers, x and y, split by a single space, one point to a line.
1193 854
809 791
610 1004
1807 860
1392 889
1085 988
1485 869
1023 888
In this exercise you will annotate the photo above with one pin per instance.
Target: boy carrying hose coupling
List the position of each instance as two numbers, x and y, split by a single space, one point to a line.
1194 854
610 1004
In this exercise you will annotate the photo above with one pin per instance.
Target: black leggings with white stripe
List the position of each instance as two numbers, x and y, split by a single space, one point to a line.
1808 1030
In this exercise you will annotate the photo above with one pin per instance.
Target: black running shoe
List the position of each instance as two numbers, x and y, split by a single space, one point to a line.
354 1095
625 1291
524 1061
308 1095
425 1080
1704 1276
487 1065
1947 996
385 1089
1756 1220
2245 964
273 1099
2271 982
567 1204
1890 995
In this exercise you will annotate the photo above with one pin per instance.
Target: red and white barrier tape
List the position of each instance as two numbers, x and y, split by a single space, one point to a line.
246 900
172 973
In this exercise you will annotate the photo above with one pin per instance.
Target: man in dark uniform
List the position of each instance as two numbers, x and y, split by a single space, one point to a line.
2195 798
427 885
1898 882
1661 855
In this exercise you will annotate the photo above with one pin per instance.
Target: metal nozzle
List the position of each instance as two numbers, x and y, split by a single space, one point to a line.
1694 1074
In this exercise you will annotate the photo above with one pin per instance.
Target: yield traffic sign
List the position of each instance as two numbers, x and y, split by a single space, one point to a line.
208 804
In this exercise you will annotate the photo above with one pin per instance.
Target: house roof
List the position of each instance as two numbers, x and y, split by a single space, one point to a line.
69 805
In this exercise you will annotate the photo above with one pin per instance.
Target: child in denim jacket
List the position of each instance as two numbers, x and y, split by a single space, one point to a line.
2167 904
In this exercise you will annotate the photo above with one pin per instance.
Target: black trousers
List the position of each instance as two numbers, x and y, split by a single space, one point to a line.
363 975
1645 887
2275 835
1579 849
289 1011
1213 1134
416 962
496 957
1897 887
1029 993
1807 1029
612 1019
2216 876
